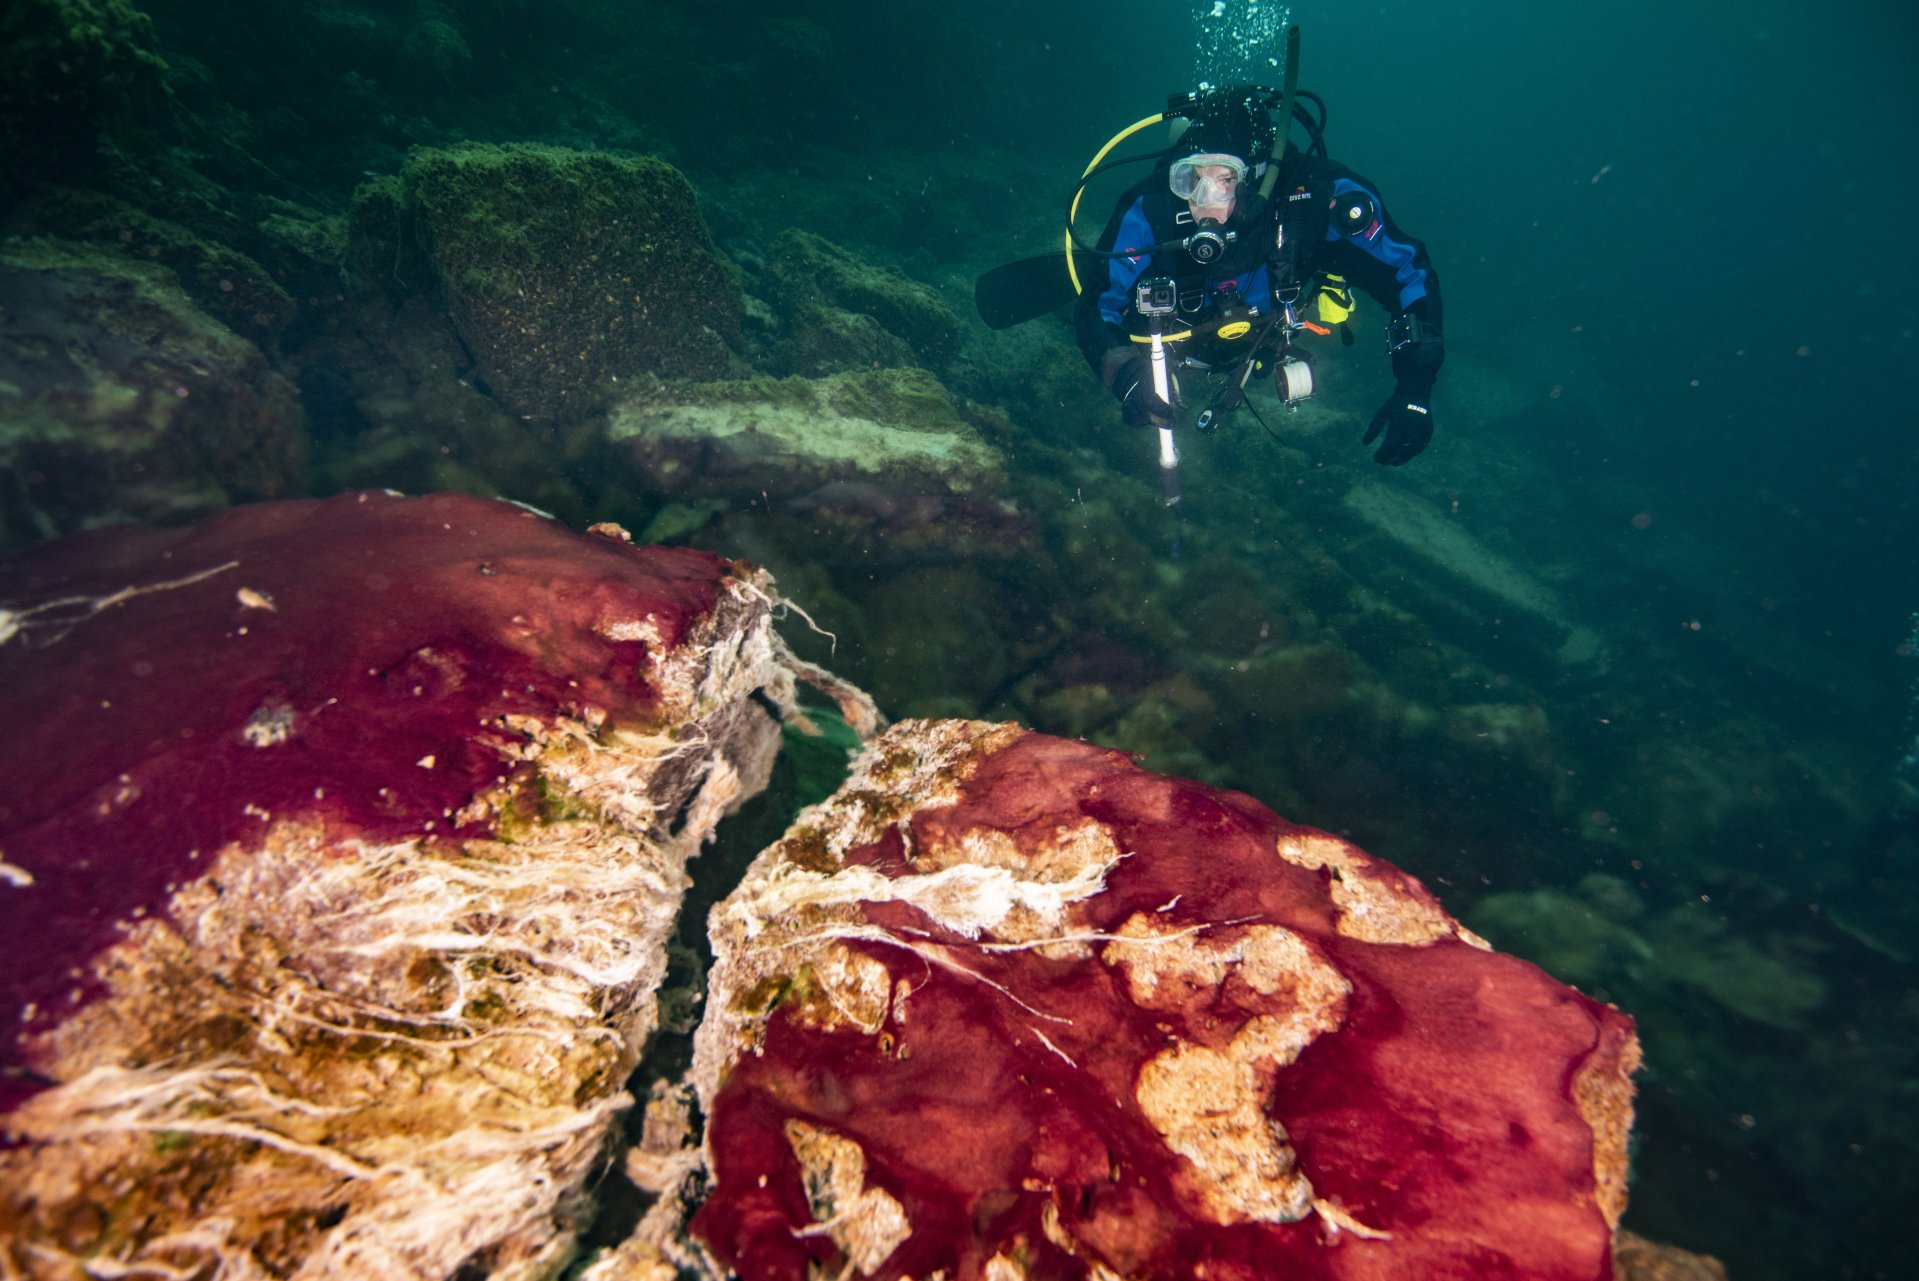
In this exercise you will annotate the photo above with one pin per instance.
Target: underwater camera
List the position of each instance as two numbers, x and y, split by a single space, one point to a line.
1156 296
1208 244
1293 378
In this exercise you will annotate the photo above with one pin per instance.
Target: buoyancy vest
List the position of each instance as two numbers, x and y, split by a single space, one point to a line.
1169 216
1287 232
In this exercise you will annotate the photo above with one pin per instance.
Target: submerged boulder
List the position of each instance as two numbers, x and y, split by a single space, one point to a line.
855 455
226 282
1010 1006
1473 581
565 272
72 74
841 312
339 845
1637 1259
120 399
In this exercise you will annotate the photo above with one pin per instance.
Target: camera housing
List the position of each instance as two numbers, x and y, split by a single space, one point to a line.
1156 296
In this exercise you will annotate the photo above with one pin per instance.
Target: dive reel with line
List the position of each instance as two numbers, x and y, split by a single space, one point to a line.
1293 379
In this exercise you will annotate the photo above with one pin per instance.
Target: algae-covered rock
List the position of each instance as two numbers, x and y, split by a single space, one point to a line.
1473 580
1771 981
934 639
1604 937
72 71
341 843
1290 686
1637 1259
224 282
854 454
376 237
565 272
120 399
1582 939
1520 729
844 313
821 340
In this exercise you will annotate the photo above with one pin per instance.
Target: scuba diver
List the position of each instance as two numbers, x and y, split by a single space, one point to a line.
1221 249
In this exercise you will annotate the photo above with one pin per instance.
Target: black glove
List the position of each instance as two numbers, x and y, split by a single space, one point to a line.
1407 417
1407 421
1129 376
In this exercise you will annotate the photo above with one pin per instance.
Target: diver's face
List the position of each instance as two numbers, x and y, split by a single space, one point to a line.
1214 193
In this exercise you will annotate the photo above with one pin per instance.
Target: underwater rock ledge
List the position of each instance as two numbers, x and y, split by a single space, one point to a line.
1009 1006
340 842
868 464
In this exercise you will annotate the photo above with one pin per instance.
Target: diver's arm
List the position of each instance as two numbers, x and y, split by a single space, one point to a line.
1371 251
1397 272
1390 266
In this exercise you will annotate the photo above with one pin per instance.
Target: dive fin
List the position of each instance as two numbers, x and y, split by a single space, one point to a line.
1019 291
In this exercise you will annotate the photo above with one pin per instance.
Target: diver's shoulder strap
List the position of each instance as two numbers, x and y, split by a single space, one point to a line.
1162 209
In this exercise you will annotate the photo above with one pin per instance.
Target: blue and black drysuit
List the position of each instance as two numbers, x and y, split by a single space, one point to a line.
1334 223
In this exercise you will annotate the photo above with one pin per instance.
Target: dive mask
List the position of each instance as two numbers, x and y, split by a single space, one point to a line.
1198 178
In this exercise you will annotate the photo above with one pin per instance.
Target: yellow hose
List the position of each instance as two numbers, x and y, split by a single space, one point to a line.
1072 214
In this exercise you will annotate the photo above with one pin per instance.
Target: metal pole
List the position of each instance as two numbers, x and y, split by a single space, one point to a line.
1168 451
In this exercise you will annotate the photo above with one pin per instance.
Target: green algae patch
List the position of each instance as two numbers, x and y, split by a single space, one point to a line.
796 434
881 459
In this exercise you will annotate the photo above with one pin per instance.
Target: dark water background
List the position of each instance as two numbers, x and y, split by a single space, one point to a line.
1677 252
